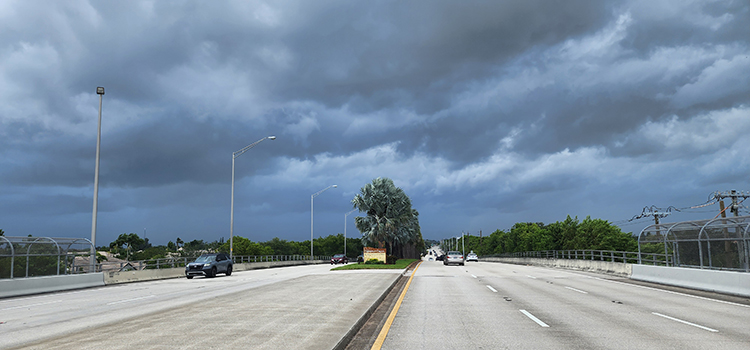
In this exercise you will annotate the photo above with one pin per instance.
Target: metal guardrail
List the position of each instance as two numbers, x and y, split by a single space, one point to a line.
600 255
166 263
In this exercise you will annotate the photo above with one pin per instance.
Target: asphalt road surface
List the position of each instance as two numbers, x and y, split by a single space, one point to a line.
501 306
304 307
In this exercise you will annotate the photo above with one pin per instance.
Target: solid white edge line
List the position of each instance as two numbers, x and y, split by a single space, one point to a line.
492 289
685 322
577 290
128 300
30 305
533 318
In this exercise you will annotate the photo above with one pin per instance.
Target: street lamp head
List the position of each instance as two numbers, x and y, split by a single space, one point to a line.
100 90
334 186
272 137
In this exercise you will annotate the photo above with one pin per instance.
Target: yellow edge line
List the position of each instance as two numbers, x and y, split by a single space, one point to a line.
387 326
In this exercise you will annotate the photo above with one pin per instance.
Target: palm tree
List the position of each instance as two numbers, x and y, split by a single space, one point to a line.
390 218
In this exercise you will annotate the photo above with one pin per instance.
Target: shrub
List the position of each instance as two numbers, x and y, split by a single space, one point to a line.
390 259
373 261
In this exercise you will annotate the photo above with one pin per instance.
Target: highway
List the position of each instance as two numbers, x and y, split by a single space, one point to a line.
501 306
476 306
303 307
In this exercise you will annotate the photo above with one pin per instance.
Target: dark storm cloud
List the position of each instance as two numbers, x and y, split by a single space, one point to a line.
493 111
421 49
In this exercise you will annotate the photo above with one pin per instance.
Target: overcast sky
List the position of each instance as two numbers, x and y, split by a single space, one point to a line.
486 113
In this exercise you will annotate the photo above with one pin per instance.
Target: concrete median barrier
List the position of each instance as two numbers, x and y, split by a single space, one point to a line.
727 282
45 284
117 277
608 267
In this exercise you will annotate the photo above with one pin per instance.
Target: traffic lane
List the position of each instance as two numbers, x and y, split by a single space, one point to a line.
570 315
26 319
707 312
309 312
445 307
53 308
597 309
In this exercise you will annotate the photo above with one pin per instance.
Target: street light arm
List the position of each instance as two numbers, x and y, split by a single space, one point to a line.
231 210
248 147
323 190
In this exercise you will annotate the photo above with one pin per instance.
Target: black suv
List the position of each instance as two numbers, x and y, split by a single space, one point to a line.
209 265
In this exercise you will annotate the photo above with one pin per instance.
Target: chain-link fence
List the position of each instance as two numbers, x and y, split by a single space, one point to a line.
720 243
47 256
40 256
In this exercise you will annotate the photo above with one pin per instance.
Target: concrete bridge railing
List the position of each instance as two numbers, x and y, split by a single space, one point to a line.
725 282
45 284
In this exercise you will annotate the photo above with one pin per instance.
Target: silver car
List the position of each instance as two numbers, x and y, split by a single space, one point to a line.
209 265
472 257
453 257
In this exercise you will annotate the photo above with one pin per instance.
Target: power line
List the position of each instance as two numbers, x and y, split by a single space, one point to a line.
713 198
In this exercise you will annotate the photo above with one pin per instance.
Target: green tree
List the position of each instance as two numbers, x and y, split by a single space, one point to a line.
390 218
244 246
2 233
126 243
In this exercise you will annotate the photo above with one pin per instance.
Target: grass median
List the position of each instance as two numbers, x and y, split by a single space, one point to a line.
399 265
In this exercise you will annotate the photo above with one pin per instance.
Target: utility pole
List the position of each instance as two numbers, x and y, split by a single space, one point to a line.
734 208
653 211
734 195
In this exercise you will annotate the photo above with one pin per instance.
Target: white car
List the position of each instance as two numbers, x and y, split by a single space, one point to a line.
453 257
472 257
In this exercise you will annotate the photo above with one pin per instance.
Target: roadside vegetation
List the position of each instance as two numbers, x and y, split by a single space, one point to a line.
389 220
399 265
130 246
570 234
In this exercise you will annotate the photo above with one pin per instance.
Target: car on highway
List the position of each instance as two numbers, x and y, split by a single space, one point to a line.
440 258
209 265
472 256
339 259
454 257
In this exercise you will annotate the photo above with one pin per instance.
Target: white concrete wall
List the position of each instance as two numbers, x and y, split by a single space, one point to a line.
117 277
608 267
34 285
728 282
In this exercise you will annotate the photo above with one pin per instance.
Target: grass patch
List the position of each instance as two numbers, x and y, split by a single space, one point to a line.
399 265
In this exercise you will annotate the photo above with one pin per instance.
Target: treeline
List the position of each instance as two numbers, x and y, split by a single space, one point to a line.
593 234
327 246
130 246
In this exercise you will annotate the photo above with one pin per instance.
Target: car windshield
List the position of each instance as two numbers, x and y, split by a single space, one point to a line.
454 253
338 256
205 258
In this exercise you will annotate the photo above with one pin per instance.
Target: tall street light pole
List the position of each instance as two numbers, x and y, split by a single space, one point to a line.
100 92
345 215
311 216
231 215
463 244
